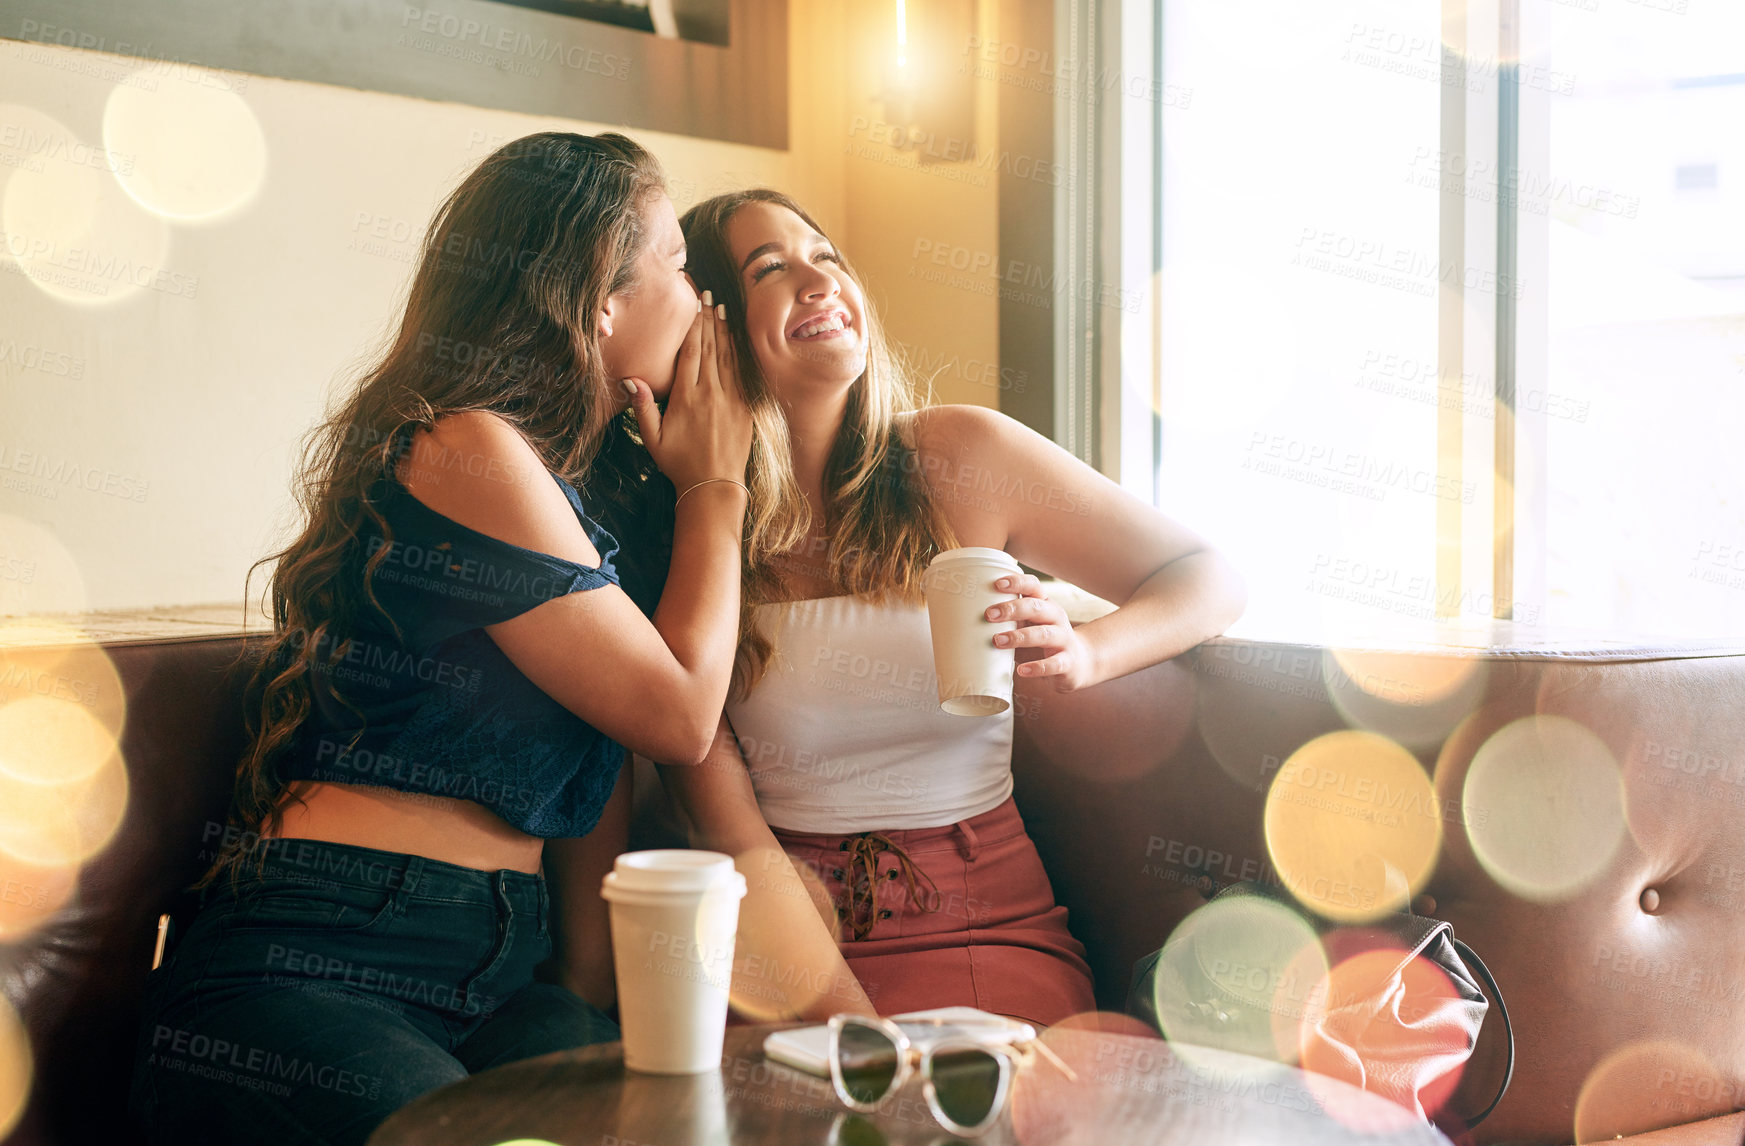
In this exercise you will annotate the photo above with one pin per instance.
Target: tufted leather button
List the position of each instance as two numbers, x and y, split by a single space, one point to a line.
1424 905
892 874
843 846
836 873
885 913
1650 900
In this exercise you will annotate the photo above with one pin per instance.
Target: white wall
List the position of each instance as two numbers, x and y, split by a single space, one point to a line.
147 438
147 435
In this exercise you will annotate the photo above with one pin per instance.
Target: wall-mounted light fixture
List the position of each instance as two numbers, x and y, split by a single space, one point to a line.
926 76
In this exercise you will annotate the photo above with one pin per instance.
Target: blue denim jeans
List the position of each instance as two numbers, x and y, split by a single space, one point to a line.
310 1003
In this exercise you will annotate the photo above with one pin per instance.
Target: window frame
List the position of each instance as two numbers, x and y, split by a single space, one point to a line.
1107 219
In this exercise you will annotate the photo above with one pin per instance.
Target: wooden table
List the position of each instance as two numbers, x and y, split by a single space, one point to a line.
1129 1089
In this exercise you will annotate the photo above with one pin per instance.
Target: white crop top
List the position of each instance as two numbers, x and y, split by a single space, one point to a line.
844 732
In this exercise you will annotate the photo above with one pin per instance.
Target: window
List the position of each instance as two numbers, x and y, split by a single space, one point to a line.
1640 418
1298 301
1450 310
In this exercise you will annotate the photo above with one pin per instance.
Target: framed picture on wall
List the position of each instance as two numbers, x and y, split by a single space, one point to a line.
704 21
716 69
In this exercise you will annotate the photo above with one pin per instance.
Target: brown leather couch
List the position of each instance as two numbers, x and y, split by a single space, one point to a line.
76 981
1143 794
1146 792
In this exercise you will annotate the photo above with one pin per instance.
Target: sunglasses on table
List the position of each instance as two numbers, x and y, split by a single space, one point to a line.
966 1080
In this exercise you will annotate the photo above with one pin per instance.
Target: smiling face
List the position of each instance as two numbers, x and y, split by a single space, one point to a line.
805 315
641 329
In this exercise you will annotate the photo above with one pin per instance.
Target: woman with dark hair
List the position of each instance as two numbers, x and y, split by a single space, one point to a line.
888 866
456 667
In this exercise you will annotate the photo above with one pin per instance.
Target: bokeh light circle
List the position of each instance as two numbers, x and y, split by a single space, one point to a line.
45 740
74 232
1646 1085
43 576
1413 699
1237 975
769 983
1102 1023
63 782
16 1066
1543 805
44 659
56 825
1402 678
1353 825
1250 751
191 149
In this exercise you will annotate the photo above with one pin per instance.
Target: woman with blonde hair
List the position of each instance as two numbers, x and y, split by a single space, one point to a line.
889 866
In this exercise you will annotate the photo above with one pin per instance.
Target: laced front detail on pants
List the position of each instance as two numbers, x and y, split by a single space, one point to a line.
861 877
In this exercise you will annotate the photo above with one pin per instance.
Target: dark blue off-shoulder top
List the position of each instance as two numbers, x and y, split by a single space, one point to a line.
439 708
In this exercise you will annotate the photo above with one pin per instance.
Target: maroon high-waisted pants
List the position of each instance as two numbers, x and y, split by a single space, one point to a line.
961 915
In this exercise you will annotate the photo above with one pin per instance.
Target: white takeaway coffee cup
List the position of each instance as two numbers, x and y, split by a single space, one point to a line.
975 676
674 915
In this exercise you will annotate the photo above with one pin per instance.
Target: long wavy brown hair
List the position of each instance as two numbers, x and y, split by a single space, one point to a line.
882 523
499 317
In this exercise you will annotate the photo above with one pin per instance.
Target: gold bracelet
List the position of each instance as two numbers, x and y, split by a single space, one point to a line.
706 481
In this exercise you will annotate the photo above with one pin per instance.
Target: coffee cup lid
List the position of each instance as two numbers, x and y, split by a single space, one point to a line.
671 869
981 553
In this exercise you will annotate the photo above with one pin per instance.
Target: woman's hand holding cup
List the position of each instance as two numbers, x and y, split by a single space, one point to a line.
1042 624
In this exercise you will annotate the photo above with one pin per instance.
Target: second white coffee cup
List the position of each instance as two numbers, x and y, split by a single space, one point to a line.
975 675
674 915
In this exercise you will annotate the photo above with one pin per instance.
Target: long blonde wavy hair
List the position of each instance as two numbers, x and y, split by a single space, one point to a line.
499 317
883 524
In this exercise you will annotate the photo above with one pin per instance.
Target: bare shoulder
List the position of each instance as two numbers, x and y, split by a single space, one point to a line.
476 468
963 451
468 442
955 429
